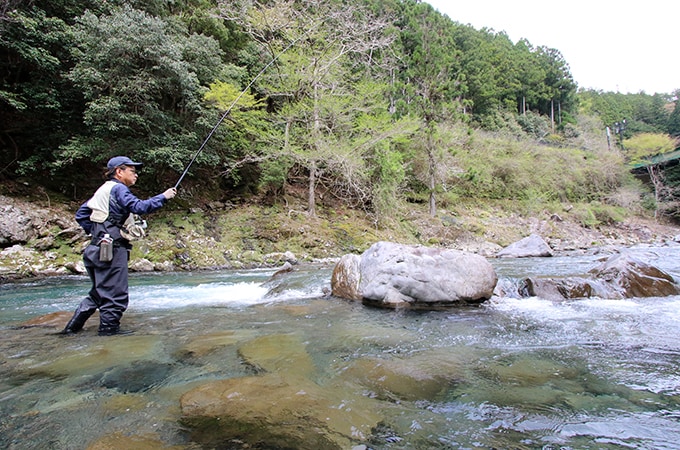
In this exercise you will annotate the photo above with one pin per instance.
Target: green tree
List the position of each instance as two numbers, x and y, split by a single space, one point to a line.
37 106
142 79
431 81
329 46
644 145
558 88
643 113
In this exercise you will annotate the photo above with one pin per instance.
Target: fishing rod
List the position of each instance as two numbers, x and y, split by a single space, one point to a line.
226 113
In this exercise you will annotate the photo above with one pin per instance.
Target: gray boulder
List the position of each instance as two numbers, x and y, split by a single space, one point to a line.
402 276
532 245
16 226
620 276
634 278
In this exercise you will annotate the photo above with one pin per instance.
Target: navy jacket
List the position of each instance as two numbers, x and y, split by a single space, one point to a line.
122 203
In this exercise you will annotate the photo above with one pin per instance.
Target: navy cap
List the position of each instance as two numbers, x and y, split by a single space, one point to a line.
118 161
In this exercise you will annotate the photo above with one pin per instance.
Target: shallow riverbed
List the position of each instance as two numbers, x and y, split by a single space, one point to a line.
524 373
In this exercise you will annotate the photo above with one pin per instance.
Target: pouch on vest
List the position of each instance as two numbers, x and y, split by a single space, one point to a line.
106 249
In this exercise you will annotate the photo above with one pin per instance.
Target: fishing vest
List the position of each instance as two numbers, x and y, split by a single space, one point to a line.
99 203
132 229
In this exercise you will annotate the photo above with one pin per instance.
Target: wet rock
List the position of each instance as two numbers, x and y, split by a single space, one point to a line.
401 276
531 246
207 343
286 268
117 441
278 353
271 412
565 288
137 377
141 265
346 277
85 354
634 278
620 276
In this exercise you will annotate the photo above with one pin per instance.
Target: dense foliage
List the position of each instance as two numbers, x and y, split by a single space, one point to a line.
369 101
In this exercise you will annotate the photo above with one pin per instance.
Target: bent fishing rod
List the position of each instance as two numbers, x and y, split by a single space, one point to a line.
226 113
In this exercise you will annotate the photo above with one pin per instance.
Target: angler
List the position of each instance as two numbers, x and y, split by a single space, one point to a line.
109 218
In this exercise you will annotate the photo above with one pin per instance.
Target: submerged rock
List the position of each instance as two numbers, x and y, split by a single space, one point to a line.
92 355
56 319
282 408
400 379
117 441
278 352
137 377
402 276
272 411
204 344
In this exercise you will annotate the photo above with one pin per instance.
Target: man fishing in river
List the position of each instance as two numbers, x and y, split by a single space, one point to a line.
109 217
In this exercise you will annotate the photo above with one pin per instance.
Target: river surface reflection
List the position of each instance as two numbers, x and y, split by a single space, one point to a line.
530 373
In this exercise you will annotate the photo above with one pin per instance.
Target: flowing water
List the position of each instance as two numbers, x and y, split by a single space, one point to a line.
524 373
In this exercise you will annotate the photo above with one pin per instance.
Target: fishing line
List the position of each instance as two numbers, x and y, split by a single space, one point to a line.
226 113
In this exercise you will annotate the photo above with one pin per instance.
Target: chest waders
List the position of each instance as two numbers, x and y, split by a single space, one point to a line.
109 292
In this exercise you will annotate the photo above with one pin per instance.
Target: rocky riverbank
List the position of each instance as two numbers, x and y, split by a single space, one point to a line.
40 237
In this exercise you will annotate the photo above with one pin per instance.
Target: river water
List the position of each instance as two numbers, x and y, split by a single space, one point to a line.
530 373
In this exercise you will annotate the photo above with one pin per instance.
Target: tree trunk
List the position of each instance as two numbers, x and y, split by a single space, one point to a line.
433 201
552 115
432 175
311 195
657 181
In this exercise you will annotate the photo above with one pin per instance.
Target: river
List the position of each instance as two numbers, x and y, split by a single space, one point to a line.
530 373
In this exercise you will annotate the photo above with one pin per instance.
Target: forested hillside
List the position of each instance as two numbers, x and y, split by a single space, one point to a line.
371 102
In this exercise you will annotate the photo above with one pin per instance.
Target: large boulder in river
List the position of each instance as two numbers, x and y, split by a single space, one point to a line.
532 245
634 278
397 276
620 276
